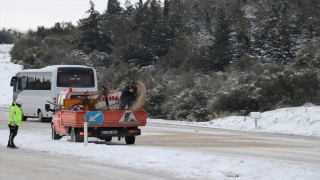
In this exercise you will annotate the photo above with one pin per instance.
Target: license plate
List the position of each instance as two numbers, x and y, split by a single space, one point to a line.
109 132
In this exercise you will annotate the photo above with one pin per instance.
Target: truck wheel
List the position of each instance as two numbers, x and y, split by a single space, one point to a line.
55 136
40 115
24 118
74 137
108 139
130 139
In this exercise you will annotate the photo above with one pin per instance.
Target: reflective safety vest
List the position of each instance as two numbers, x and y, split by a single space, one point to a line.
15 114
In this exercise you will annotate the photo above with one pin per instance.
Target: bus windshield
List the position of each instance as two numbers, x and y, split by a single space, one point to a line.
75 77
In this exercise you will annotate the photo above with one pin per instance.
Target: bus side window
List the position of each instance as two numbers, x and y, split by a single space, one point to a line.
47 81
30 83
38 84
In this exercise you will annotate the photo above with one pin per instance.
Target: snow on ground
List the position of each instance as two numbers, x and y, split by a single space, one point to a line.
297 120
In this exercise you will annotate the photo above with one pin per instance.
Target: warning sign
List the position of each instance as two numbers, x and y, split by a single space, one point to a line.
128 116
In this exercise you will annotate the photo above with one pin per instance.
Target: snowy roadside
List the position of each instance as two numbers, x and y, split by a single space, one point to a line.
296 120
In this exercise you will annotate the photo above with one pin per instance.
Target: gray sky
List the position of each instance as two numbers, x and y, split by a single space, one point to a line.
25 14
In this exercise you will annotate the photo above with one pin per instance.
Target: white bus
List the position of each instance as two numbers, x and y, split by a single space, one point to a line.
37 86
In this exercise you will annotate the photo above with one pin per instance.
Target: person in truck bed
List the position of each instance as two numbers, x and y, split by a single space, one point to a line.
128 96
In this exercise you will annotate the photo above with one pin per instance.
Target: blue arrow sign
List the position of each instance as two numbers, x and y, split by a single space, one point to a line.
94 117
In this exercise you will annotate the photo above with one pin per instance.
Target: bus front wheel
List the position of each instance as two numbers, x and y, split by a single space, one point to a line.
40 115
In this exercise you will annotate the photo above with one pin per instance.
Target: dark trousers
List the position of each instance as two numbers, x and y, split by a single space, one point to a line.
12 135
124 103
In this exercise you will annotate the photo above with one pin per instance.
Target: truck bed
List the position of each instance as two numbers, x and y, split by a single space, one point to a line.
112 118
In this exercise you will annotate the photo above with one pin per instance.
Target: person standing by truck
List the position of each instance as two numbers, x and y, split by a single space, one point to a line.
15 120
128 96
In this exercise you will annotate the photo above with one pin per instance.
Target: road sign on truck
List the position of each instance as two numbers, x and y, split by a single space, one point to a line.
94 117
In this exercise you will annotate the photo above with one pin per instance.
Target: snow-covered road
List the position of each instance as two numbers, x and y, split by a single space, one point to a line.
180 151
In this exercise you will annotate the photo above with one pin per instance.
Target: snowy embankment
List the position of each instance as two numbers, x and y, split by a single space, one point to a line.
296 120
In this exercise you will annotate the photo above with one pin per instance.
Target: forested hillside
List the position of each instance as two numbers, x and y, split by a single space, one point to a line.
199 59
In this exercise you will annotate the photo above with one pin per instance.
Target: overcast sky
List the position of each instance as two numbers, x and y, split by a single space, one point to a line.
29 14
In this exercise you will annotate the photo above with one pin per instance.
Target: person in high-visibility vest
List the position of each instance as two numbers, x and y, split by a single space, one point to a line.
15 120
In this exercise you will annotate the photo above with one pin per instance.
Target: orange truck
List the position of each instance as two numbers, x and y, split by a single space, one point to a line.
100 109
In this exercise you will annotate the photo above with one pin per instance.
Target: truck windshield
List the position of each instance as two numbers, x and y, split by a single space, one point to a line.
75 77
